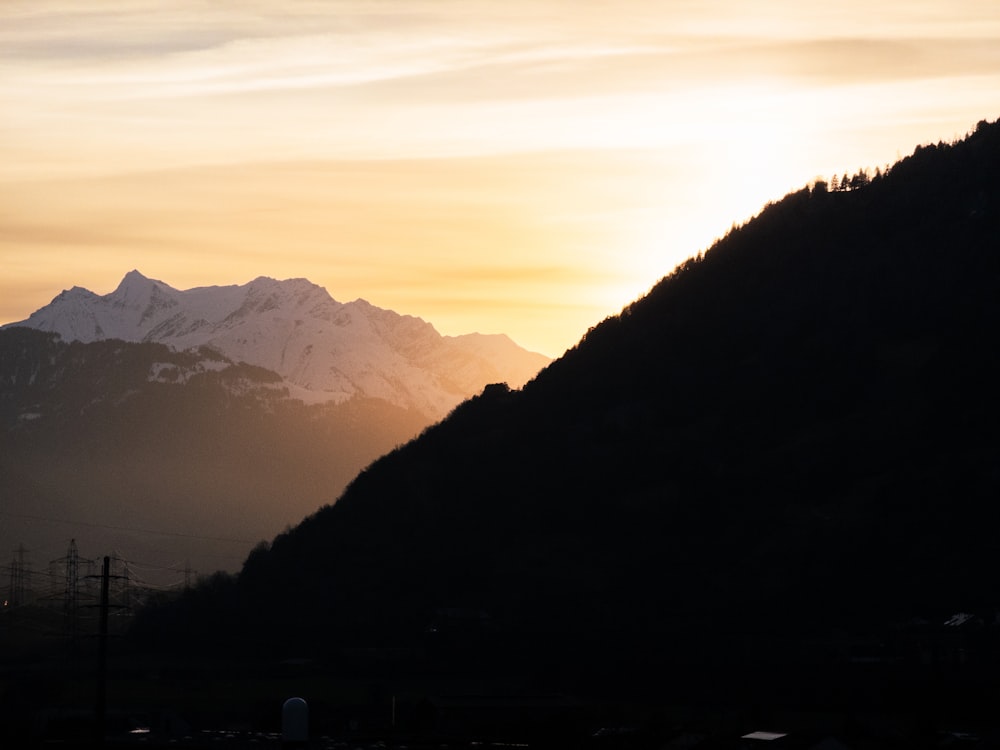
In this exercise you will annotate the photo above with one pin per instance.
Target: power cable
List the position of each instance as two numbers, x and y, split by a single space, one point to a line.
134 530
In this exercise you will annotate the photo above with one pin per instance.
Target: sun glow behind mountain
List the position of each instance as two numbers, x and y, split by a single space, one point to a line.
517 167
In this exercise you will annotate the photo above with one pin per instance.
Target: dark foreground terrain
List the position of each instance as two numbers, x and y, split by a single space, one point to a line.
925 684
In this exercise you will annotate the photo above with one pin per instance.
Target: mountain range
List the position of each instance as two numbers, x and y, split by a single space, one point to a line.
327 351
786 449
179 428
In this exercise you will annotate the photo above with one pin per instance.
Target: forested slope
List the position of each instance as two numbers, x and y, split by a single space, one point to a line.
794 432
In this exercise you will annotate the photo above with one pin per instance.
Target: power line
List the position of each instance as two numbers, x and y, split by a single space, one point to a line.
134 530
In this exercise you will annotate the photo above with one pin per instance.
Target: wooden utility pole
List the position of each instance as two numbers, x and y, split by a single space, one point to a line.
102 658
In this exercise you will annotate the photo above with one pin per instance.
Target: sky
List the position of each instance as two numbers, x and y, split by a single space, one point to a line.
526 167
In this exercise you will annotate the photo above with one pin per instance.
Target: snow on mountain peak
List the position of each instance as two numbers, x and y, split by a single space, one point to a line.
329 350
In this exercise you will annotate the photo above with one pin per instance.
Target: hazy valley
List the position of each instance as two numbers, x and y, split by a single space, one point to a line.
180 428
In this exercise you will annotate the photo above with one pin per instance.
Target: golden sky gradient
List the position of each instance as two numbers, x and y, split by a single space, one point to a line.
517 166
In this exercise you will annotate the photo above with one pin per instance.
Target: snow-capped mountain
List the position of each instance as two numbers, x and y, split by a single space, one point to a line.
326 350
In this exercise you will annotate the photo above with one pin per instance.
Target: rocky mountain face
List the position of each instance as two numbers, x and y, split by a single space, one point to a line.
327 351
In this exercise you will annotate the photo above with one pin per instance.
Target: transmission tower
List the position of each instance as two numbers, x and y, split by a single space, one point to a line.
72 580
121 574
71 591
18 579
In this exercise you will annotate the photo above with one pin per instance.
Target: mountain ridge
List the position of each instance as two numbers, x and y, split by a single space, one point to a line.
790 437
326 350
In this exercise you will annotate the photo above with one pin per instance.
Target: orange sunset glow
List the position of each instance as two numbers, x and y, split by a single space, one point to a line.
499 166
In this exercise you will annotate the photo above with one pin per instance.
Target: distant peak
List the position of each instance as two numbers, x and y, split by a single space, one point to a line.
134 279
295 283
76 292
265 293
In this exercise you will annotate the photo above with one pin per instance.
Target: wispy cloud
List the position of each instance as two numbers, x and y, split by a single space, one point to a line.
392 144
185 77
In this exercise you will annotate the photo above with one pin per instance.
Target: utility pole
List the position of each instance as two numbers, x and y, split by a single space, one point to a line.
101 709
102 657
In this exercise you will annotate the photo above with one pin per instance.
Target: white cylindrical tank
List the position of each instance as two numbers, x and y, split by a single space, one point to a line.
294 723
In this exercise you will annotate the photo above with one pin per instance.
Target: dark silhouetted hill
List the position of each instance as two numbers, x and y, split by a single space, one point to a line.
793 435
